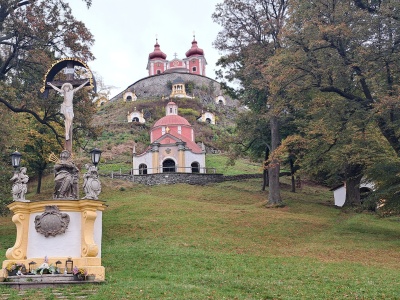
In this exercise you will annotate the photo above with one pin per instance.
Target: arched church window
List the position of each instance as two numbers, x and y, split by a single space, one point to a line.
158 71
168 166
195 167
143 169
135 119
194 69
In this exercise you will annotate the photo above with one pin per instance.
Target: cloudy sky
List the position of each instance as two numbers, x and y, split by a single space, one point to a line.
125 32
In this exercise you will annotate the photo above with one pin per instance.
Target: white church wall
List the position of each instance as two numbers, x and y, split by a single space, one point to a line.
191 157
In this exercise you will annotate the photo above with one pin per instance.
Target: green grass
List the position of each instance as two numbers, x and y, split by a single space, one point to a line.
241 166
220 242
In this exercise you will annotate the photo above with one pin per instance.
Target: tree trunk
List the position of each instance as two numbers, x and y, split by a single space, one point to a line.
265 170
39 184
292 174
353 191
274 197
354 173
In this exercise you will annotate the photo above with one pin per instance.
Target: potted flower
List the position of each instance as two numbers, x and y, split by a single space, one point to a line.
14 268
79 273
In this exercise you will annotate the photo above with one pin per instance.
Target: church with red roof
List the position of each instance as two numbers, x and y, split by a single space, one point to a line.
193 63
172 147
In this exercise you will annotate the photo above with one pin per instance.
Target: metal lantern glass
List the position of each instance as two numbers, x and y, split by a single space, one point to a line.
95 155
32 265
69 265
16 159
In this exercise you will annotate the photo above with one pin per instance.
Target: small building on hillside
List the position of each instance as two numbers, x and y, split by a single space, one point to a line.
339 192
136 116
172 147
207 117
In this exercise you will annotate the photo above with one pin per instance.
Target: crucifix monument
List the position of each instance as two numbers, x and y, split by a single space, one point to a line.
66 229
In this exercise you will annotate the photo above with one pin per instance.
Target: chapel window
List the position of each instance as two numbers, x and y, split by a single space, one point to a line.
142 169
195 167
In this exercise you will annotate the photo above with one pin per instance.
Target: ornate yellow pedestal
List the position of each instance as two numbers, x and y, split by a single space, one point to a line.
80 240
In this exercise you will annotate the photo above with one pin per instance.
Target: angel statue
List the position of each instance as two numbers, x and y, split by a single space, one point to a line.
19 187
91 183
66 177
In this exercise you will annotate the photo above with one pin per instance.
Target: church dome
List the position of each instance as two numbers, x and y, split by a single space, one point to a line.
171 120
157 53
195 50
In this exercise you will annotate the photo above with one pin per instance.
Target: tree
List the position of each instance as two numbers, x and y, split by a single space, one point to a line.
32 34
251 34
346 48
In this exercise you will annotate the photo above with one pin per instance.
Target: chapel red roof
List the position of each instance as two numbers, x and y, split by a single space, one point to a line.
171 120
157 53
195 50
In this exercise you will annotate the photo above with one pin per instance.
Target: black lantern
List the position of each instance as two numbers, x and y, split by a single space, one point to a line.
16 159
95 155
69 265
32 265
57 268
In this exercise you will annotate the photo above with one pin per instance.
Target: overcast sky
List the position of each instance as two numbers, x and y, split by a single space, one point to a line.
125 33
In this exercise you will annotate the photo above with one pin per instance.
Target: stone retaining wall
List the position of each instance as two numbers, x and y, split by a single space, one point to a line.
189 178
156 86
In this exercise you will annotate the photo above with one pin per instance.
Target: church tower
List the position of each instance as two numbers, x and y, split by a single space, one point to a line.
195 60
157 63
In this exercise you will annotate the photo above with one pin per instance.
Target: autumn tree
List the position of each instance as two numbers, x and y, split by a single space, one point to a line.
350 49
32 35
251 34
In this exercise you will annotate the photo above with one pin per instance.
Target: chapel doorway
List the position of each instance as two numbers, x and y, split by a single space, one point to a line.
195 167
168 166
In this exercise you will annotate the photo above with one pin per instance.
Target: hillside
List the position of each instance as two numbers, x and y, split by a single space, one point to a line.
220 242
118 135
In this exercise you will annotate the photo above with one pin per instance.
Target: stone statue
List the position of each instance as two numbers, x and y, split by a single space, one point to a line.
91 183
66 177
67 90
20 187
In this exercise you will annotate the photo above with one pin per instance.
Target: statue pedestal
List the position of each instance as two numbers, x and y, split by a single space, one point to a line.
80 239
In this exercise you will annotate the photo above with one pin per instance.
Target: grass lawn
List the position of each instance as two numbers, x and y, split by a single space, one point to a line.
220 242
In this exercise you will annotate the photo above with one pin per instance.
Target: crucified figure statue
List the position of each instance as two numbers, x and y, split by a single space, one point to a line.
67 90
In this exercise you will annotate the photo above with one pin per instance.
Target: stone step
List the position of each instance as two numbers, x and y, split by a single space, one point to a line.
42 281
41 278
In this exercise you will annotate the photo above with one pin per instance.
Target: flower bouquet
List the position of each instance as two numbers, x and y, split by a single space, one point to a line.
15 269
45 268
79 273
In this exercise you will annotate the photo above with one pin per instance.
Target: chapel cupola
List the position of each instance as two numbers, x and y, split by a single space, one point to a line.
157 53
171 109
195 50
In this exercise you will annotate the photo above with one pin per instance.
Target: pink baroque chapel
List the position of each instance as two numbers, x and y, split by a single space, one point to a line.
172 147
